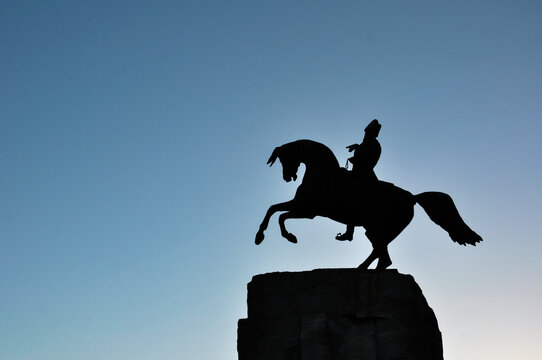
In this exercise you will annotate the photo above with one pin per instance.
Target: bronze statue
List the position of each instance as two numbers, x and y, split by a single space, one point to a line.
382 208
365 157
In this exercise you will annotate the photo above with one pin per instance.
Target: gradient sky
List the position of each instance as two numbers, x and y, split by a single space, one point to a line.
134 137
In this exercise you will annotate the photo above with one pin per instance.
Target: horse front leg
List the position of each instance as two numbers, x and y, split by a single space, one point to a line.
284 206
291 215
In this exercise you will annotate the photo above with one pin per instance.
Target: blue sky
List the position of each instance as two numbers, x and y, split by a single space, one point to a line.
133 142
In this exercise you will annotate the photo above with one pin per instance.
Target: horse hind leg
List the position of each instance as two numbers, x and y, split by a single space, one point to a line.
380 251
381 237
372 257
384 260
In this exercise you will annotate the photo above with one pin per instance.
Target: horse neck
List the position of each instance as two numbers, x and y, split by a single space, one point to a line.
318 159
314 168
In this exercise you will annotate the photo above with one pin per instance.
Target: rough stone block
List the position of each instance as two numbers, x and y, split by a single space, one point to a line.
338 314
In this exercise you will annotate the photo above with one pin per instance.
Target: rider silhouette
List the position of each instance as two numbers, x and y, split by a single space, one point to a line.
365 157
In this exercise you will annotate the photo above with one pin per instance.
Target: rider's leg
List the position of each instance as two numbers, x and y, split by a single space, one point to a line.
348 235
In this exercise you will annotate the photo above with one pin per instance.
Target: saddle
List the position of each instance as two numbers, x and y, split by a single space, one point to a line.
359 188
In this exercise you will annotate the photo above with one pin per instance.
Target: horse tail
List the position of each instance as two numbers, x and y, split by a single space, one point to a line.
441 209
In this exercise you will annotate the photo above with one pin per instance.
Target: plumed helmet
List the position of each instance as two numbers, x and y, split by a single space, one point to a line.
373 128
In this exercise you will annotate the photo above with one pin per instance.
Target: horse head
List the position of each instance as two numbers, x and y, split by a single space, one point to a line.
289 165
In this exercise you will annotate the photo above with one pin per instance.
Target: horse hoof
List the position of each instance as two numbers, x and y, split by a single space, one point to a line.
259 238
383 264
291 238
343 237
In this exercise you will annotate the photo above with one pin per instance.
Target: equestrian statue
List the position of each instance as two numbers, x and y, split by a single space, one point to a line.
357 197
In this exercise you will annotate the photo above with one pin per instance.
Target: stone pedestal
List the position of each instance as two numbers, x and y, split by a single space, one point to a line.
335 314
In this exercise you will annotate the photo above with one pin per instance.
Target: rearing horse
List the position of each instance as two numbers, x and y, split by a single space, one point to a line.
329 190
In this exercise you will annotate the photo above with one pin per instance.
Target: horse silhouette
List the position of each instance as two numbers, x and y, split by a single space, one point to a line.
330 191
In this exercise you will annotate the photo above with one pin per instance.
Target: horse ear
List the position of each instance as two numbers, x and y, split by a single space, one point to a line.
273 157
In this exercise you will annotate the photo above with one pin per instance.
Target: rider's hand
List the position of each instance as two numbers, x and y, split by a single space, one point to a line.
352 147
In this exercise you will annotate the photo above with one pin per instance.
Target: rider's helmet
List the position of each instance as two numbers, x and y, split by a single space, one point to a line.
373 129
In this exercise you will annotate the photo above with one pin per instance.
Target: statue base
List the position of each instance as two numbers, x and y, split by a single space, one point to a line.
332 314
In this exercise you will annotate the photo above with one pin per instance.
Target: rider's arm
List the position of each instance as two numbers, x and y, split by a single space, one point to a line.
352 147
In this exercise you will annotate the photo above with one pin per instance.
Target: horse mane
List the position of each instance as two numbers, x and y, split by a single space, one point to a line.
311 152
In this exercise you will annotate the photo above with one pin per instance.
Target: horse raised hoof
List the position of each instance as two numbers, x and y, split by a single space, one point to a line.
259 238
291 238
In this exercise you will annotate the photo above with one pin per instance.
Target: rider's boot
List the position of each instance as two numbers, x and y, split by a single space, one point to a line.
348 235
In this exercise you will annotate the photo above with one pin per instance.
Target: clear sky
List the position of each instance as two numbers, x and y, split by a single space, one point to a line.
134 137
